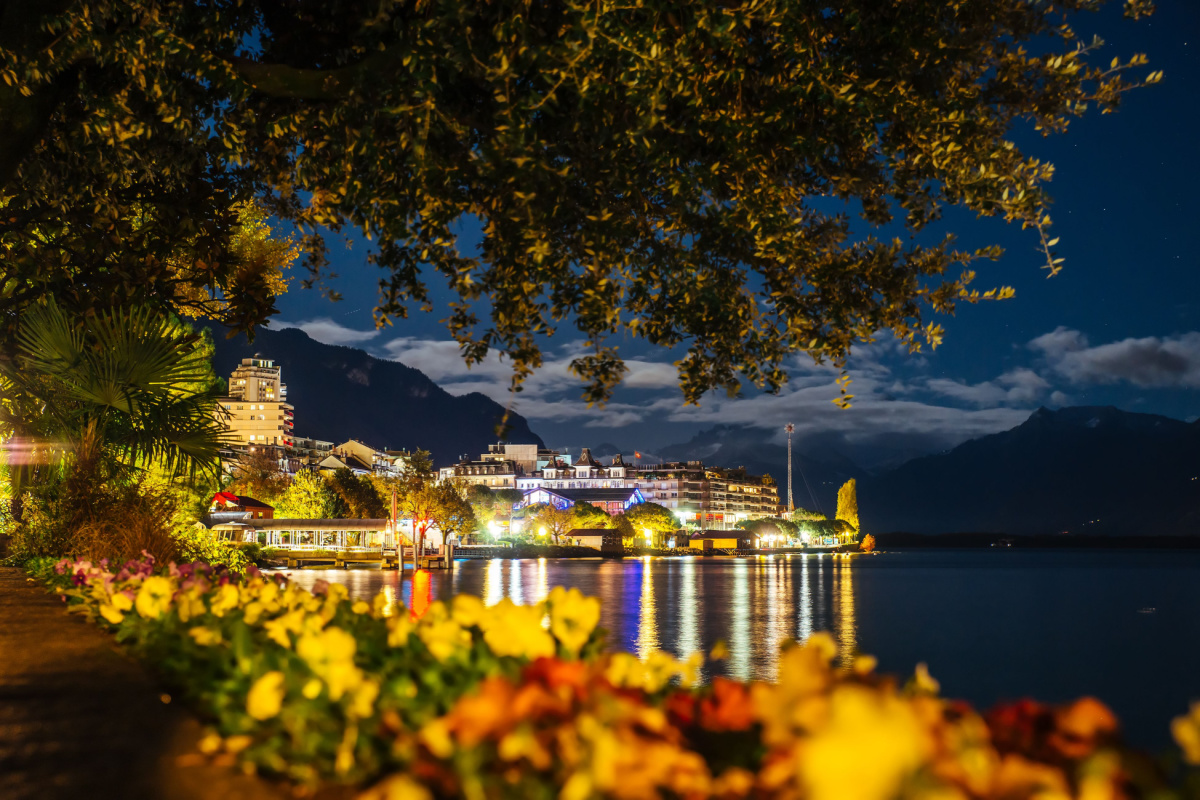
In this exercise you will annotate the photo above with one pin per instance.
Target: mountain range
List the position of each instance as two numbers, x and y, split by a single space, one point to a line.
1082 470
342 393
1079 470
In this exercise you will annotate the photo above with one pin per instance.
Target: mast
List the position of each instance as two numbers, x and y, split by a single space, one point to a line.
790 428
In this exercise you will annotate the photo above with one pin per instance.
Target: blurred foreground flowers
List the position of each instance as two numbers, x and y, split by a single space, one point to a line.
509 701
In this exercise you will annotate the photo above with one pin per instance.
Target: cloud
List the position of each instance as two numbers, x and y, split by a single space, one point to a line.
327 331
1020 386
1149 362
551 393
875 413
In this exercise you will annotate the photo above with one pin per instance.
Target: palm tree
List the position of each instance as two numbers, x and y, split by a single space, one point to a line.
128 386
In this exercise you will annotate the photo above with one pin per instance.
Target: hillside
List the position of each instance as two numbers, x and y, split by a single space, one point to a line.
343 393
1083 470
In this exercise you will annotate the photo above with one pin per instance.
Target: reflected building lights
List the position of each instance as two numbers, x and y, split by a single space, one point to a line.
542 589
805 628
739 638
847 635
515 591
689 628
493 582
647 640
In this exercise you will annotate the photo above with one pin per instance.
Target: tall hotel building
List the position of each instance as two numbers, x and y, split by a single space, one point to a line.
257 405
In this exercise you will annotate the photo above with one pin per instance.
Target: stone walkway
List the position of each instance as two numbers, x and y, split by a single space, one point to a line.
80 720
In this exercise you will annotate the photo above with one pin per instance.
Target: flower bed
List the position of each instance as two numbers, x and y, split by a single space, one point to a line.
522 701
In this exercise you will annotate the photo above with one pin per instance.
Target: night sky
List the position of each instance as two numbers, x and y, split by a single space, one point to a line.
1119 326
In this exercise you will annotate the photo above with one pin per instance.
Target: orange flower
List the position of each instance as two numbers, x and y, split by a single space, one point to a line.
728 708
1081 726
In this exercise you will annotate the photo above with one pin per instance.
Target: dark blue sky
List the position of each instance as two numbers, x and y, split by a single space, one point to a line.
1120 325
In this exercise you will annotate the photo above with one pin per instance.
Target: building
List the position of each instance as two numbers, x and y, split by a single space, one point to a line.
731 496
585 473
333 462
677 485
257 411
227 502
313 449
504 466
722 540
610 500
493 473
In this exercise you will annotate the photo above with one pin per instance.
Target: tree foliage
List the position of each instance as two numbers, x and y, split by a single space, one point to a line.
769 526
804 514
847 503
588 516
690 175
358 495
257 474
652 516
557 522
309 497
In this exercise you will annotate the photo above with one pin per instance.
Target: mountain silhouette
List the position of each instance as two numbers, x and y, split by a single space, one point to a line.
344 393
1083 470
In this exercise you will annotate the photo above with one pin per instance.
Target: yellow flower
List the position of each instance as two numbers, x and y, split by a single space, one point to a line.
863 721
435 735
399 629
226 599
266 696
513 630
1186 730
311 689
330 654
397 787
253 611
121 601
333 598
923 681
278 629
381 606
154 597
189 604
111 613
573 617
626 671
441 634
205 637
467 610
362 702
361 607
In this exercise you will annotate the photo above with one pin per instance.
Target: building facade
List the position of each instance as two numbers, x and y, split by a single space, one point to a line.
584 473
257 411
731 496
677 485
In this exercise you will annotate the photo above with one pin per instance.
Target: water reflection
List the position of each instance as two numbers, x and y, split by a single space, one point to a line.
739 639
682 605
805 628
844 619
647 640
689 629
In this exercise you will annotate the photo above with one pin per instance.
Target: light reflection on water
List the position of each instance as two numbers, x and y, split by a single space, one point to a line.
682 605
992 626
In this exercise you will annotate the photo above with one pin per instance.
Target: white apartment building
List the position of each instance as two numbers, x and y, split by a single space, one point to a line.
257 409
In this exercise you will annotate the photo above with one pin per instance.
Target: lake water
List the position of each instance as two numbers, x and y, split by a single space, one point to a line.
991 624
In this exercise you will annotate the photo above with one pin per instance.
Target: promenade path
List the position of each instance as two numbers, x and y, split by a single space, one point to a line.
80 720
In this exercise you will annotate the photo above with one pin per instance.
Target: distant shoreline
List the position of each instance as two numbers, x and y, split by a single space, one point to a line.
902 540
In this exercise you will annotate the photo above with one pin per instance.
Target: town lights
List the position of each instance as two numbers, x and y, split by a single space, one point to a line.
494 528
542 531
